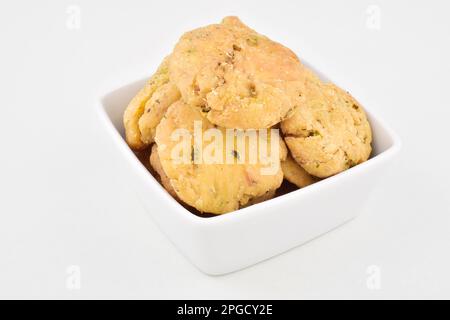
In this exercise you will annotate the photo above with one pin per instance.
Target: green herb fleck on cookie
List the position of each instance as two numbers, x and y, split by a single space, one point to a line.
206 109
252 41
313 133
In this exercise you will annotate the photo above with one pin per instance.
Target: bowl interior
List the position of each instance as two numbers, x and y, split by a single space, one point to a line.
115 102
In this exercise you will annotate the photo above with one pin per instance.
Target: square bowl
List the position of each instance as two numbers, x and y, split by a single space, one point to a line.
233 241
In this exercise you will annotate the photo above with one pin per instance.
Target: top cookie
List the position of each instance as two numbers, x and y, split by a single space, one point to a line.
329 133
237 77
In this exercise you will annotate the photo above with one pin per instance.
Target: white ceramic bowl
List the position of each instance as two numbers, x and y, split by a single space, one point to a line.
239 239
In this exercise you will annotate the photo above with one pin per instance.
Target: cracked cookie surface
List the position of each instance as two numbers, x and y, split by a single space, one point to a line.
214 187
330 132
237 77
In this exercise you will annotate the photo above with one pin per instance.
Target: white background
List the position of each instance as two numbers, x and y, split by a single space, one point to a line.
63 203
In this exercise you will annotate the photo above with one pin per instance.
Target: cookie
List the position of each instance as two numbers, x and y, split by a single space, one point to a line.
154 110
295 174
235 76
330 132
216 186
136 107
156 165
165 182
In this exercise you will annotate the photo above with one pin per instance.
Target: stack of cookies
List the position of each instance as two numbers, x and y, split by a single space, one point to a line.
210 117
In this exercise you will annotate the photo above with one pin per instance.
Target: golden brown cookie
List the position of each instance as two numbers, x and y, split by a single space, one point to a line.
329 133
237 77
156 165
155 108
216 186
136 107
295 174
